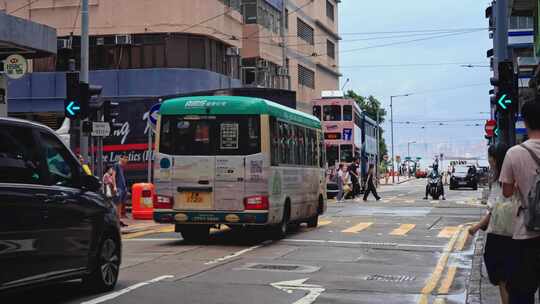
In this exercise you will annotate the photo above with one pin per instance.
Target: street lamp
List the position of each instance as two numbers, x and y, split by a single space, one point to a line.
408 147
392 131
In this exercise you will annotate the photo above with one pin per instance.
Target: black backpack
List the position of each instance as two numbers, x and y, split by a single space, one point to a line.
532 201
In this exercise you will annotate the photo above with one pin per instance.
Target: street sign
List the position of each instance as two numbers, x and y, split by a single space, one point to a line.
520 126
153 116
490 127
101 129
15 66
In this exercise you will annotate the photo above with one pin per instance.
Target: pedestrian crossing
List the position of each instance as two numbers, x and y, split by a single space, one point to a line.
397 230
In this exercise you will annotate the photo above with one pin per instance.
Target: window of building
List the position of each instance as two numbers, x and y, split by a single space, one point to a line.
330 49
305 32
347 113
329 10
521 22
317 112
332 113
306 77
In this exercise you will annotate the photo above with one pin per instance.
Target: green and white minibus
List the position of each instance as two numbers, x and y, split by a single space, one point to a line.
237 161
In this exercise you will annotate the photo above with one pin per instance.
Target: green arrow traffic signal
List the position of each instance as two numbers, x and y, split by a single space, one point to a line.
503 102
496 132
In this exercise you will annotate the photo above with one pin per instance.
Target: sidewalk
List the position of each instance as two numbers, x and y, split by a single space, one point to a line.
135 226
479 289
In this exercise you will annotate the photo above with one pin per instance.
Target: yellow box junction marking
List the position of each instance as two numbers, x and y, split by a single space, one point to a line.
146 232
324 222
403 229
439 268
448 232
448 280
357 228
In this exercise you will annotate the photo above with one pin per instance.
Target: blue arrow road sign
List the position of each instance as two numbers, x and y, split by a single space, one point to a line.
72 108
503 102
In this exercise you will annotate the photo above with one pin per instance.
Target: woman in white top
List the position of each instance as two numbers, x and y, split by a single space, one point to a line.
498 225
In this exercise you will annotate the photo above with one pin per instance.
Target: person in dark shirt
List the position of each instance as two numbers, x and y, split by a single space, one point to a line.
370 184
353 173
120 186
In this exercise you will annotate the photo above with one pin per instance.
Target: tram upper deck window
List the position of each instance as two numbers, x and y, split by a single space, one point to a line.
332 113
347 113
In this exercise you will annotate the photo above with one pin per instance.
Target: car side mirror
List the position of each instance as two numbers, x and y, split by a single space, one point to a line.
90 183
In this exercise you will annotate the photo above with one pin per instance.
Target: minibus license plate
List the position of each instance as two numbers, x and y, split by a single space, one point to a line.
194 197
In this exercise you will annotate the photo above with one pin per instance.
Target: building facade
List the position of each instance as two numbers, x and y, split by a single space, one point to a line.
152 48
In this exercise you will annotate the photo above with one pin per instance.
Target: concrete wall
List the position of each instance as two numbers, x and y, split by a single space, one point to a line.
135 16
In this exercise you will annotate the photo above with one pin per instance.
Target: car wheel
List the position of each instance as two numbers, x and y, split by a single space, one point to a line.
105 276
195 233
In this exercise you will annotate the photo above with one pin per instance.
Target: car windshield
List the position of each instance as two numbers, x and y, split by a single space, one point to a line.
462 169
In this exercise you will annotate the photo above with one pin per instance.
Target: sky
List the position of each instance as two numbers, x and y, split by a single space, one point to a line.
439 92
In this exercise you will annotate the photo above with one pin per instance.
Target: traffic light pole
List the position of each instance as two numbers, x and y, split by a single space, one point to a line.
84 70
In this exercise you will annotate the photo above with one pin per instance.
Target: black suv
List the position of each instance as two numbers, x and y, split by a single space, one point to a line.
55 224
464 176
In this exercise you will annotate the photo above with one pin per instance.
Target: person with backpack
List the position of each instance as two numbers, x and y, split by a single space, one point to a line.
520 175
498 224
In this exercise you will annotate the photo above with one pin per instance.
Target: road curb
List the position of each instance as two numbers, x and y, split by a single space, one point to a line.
474 284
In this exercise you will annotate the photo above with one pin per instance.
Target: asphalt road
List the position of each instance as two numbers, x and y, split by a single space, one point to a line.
401 249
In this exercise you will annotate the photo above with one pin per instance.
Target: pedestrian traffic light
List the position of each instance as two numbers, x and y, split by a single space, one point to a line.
109 110
72 103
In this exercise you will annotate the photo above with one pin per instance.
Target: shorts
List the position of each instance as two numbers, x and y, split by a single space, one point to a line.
497 257
121 197
525 265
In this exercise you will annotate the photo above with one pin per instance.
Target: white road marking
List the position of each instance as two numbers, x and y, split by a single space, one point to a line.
116 294
314 291
363 243
233 255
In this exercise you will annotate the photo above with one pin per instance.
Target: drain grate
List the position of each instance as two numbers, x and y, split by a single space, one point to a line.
280 268
275 267
389 278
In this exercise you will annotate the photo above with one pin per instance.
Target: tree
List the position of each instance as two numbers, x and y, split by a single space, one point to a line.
370 105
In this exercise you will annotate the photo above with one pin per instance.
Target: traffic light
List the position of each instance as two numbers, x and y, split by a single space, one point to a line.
72 103
87 92
506 98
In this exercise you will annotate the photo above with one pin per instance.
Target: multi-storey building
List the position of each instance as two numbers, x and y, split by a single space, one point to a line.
304 57
152 48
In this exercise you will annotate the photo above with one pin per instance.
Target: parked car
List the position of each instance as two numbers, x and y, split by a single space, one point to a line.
464 176
421 173
55 224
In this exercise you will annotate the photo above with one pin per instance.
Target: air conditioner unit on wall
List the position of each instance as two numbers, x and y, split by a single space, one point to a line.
122 39
64 43
233 51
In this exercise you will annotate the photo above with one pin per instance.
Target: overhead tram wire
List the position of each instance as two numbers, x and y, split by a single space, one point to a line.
22 7
459 64
437 31
392 44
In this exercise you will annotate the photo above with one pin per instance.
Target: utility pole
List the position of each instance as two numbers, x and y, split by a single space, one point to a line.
378 146
84 70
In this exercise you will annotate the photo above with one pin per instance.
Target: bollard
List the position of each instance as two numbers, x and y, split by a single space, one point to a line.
141 201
